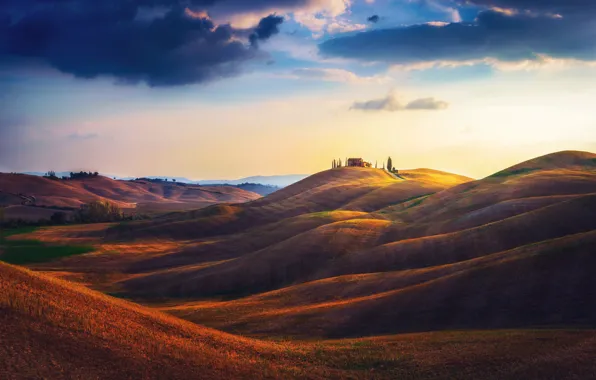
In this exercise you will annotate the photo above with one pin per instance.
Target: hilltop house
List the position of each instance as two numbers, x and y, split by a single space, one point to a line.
358 162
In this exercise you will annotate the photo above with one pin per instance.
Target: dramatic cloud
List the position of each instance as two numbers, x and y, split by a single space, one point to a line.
312 14
174 46
374 19
500 34
267 27
390 103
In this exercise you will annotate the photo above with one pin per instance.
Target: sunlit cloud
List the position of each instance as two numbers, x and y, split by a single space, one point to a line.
542 62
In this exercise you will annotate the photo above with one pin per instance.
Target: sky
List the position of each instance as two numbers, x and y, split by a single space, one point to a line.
233 88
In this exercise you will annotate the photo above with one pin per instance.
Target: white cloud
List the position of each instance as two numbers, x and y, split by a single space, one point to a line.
343 26
453 13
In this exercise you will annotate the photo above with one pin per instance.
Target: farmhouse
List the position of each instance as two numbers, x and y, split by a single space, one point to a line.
358 162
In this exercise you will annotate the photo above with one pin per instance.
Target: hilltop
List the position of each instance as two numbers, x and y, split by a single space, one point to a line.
566 160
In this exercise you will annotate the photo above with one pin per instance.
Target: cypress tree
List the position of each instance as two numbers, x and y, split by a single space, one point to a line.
389 164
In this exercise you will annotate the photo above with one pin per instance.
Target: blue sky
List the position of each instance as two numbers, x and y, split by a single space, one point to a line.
231 88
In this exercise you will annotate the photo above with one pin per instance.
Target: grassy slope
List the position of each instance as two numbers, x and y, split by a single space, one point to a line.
546 284
54 329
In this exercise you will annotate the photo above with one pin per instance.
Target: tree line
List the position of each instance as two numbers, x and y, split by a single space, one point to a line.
51 174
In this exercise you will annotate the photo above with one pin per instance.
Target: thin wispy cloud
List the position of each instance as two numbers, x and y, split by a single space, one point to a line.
335 75
391 103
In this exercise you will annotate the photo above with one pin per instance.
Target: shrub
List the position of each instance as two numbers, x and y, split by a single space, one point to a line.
59 217
51 175
99 212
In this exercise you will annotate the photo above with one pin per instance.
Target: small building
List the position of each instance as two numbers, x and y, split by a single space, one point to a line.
358 162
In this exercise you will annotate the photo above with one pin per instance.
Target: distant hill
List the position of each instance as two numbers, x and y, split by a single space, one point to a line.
258 188
17 190
275 180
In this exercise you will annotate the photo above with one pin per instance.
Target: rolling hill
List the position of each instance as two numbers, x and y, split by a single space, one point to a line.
336 189
145 195
55 329
411 238
351 252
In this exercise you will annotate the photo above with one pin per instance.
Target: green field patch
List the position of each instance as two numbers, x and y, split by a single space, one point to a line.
29 251
509 173
5 232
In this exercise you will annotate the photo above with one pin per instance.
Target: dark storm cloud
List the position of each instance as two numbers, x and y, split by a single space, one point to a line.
239 5
89 39
374 19
498 34
266 28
